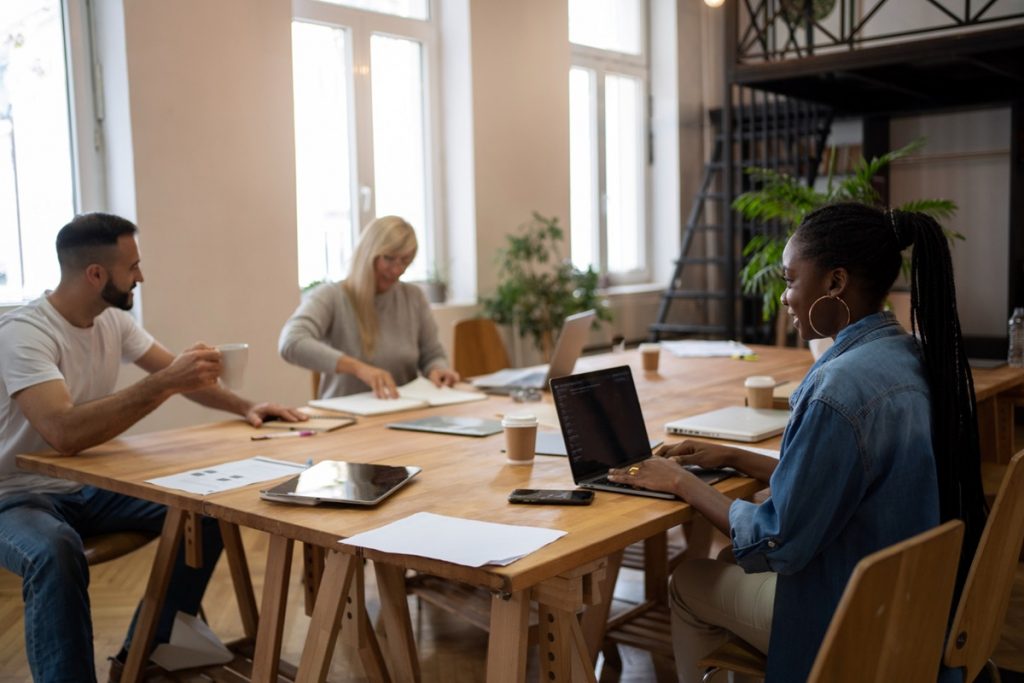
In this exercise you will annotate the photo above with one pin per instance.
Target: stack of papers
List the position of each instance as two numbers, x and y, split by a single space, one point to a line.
229 475
419 393
697 348
452 539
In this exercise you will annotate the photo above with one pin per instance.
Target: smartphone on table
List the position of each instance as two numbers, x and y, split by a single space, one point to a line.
551 496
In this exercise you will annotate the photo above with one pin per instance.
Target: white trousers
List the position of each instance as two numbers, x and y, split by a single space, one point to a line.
711 599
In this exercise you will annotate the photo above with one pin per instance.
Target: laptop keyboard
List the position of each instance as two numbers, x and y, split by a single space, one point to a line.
603 481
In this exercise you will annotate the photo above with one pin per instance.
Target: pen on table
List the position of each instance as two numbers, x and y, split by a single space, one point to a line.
282 435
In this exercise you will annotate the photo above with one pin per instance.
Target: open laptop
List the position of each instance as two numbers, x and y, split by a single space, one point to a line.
335 481
736 423
567 351
603 427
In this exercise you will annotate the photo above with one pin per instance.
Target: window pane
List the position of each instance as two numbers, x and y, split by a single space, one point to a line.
414 9
607 24
583 187
323 154
624 168
399 138
36 182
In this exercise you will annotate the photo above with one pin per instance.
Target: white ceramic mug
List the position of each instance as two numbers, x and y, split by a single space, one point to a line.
233 359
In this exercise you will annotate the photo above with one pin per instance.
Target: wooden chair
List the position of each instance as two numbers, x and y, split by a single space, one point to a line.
983 603
478 348
890 622
986 595
105 547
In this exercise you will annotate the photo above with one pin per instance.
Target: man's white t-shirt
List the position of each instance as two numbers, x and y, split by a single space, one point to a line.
37 344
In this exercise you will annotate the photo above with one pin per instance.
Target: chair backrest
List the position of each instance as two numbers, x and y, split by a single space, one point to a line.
891 620
478 348
986 595
315 384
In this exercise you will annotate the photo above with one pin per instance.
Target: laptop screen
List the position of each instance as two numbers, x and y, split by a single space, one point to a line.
601 421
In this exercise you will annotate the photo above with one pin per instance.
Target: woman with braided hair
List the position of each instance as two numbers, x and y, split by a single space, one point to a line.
882 444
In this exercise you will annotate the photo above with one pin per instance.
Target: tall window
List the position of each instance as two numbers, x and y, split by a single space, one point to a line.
608 138
40 163
363 128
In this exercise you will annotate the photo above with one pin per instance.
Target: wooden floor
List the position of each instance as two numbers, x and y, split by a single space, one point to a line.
451 651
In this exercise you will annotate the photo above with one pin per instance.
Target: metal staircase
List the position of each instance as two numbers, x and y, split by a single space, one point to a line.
764 131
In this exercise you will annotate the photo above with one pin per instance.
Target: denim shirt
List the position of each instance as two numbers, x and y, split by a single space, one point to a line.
856 474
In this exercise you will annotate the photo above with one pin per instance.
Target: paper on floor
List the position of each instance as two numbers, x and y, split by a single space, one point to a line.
452 539
192 644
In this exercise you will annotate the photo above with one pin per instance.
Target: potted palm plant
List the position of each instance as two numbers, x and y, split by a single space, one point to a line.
784 199
538 288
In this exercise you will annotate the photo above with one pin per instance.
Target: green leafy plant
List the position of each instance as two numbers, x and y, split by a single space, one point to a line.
537 287
783 198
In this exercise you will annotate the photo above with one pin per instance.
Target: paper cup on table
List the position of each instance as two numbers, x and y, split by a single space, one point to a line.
651 354
759 391
233 358
520 437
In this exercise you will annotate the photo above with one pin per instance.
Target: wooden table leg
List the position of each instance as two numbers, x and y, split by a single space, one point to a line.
240 578
312 573
506 647
339 568
595 619
153 598
394 613
359 632
267 655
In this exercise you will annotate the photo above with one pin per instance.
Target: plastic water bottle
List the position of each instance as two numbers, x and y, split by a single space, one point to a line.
1015 356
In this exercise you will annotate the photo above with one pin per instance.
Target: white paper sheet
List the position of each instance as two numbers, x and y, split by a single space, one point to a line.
697 348
452 539
418 393
770 452
192 644
228 475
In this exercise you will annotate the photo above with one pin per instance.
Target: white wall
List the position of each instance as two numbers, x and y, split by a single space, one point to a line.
211 134
520 97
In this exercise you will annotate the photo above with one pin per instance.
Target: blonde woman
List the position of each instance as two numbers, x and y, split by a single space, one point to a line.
370 330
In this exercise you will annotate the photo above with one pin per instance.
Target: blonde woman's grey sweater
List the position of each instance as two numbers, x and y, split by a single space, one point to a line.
324 328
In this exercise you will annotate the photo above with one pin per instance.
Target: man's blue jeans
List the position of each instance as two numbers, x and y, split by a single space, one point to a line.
41 541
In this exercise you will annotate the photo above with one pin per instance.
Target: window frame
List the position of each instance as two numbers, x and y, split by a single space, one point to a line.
362 25
604 63
84 98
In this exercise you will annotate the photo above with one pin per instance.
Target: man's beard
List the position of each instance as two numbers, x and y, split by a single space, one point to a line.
115 297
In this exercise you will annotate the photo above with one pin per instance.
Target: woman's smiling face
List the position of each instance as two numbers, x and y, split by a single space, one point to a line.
805 283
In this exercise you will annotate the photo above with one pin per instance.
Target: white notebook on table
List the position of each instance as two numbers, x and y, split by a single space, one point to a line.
419 393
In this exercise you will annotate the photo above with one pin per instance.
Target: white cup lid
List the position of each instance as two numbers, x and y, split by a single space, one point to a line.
649 346
519 420
759 382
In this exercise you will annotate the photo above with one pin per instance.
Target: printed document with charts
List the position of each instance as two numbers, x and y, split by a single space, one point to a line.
419 393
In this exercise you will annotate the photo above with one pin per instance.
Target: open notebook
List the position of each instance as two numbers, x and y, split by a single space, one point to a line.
419 393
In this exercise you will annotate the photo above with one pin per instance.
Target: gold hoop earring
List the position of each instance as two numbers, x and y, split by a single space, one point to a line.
838 313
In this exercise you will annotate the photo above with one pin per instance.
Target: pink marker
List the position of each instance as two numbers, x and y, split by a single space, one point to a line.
283 435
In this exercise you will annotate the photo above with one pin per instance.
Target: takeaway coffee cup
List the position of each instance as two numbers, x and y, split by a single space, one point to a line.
759 391
650 353
233 358
520 437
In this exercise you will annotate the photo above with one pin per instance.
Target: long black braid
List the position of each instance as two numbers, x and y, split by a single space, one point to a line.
868 242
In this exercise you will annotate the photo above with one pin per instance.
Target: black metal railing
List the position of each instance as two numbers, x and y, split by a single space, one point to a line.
774 30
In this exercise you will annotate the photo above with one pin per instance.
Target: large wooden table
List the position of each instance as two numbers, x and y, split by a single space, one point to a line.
462 477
